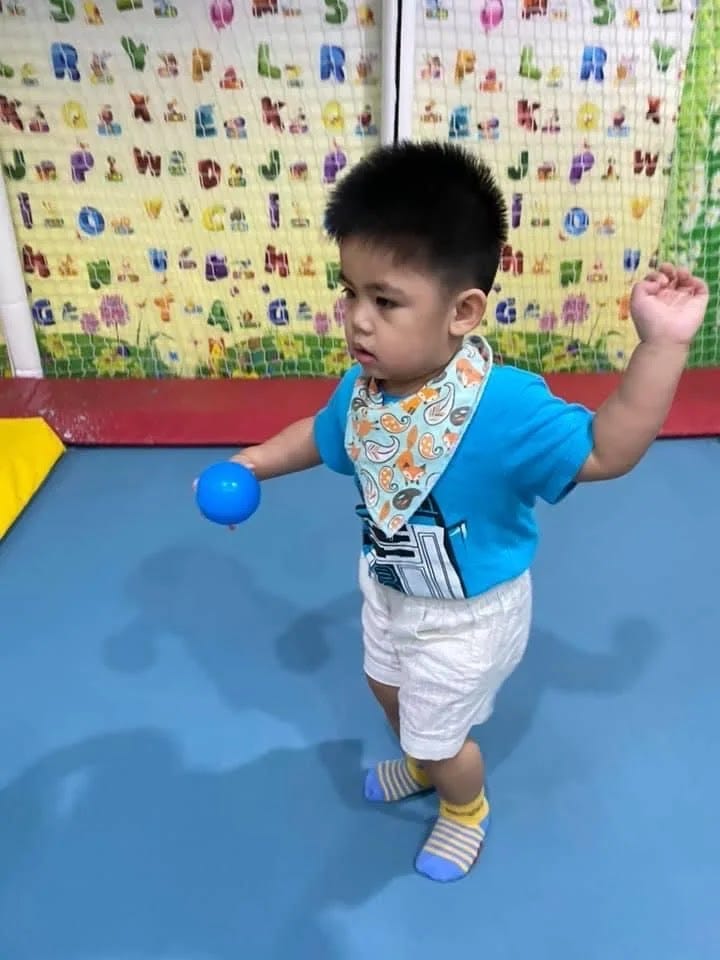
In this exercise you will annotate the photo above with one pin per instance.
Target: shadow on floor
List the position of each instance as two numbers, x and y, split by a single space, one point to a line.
258 648
117 849
551 664
114 847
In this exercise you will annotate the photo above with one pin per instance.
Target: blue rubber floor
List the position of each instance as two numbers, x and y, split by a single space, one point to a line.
184 725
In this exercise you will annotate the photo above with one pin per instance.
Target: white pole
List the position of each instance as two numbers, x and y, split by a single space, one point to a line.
406 82
15 316
388 54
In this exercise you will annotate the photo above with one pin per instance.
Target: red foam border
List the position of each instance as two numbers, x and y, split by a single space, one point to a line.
229 412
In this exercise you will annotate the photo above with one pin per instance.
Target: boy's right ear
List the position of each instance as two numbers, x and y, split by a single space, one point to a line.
470 307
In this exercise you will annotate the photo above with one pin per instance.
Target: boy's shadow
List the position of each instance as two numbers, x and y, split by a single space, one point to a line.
262 650
259 649
550 664
203 861
118 849
114 847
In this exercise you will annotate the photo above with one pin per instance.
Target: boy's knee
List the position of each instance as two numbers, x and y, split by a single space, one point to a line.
467 752
437 762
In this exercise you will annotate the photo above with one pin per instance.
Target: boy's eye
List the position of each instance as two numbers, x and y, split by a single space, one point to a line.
347 293
384 303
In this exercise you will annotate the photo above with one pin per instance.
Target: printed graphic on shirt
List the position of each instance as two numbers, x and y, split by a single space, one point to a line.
418 560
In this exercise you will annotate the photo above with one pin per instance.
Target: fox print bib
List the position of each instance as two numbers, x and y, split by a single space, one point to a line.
401 447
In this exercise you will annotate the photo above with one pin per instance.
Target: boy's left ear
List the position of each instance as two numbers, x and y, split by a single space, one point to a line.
470 308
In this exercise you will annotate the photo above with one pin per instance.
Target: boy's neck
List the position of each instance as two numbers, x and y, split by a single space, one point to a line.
395 388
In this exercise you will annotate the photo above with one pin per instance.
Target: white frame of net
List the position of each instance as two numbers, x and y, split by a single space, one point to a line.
16 321
15 316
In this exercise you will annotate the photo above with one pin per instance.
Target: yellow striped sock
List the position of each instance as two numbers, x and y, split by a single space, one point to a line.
455 841
417 772
393 780
469 814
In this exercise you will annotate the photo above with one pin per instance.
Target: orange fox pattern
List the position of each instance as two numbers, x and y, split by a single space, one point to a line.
401 449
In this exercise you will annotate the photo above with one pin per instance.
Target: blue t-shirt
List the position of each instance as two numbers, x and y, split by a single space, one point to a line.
477 528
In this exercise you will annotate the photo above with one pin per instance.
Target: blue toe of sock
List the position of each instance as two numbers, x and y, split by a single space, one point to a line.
373 790
437 868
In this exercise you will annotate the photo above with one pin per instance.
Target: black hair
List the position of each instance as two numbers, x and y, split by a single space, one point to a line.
432 205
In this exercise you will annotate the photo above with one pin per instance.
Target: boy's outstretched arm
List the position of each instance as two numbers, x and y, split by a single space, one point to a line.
289 451
667 308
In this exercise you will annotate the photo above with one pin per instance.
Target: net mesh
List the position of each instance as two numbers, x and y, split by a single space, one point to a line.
4 358
691 229
168 165
574 106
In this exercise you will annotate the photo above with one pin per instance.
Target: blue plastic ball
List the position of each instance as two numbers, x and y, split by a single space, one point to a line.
227 493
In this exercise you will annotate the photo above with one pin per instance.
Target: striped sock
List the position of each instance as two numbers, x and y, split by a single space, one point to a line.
393 780
455 841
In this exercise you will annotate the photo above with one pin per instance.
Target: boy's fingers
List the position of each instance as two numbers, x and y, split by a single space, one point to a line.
654 283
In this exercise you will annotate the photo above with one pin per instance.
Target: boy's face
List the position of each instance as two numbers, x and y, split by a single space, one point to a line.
401 325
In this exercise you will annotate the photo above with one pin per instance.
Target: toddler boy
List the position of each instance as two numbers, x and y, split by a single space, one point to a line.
450 452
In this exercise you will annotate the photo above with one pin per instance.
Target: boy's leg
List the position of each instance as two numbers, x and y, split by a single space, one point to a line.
460 779
457 837
388 699
391 779
453 667
397 779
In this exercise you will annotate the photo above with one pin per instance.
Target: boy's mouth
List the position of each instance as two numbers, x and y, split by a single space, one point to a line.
363 357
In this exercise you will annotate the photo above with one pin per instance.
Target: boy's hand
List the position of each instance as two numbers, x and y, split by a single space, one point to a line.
668 306
245 458
290 450
236 458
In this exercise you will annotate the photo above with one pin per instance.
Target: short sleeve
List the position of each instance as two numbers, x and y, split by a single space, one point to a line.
330 423
550 440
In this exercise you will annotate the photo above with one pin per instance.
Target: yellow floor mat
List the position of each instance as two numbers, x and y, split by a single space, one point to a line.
28 451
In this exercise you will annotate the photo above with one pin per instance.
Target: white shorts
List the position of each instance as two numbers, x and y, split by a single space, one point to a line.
448 658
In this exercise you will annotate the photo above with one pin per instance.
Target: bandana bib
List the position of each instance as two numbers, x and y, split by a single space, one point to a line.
401 448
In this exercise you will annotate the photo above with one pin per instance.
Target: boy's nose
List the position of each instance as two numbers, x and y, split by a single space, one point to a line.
361 320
